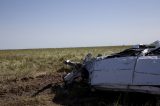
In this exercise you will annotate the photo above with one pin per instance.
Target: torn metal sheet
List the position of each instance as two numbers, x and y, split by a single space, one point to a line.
136 69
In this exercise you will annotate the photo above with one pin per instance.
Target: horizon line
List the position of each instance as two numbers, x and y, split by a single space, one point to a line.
72 47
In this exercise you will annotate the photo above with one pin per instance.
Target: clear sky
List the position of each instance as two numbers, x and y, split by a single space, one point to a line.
76 23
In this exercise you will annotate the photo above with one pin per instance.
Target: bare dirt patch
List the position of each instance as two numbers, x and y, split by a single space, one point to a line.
19 91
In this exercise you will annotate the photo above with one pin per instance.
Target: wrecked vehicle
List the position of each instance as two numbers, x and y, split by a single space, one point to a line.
136 69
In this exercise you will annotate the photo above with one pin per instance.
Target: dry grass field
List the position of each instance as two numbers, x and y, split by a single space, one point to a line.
23 72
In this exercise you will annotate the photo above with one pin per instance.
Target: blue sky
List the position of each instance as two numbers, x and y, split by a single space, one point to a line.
76 23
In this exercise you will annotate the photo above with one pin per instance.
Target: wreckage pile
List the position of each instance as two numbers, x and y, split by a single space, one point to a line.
133 70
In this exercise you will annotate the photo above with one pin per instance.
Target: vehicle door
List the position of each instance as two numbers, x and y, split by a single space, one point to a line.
147 71
116 70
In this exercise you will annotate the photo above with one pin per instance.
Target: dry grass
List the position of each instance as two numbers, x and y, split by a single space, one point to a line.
24 63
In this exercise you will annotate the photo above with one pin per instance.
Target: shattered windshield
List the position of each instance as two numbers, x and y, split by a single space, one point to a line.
127 52
154 52
135 51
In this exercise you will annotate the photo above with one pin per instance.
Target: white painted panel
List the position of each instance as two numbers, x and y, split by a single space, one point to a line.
146 79
113 70
148 64
111 77
121 63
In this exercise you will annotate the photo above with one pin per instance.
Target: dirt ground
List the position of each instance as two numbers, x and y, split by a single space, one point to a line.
18 92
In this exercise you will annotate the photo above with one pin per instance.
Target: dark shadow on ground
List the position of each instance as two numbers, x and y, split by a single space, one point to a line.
77 95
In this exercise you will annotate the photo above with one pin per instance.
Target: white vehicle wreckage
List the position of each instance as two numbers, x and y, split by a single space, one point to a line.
136 69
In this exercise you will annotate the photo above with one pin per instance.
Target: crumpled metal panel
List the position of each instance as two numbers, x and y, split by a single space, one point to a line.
147 71
148 65
111 77
114 64
114 70
146 79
